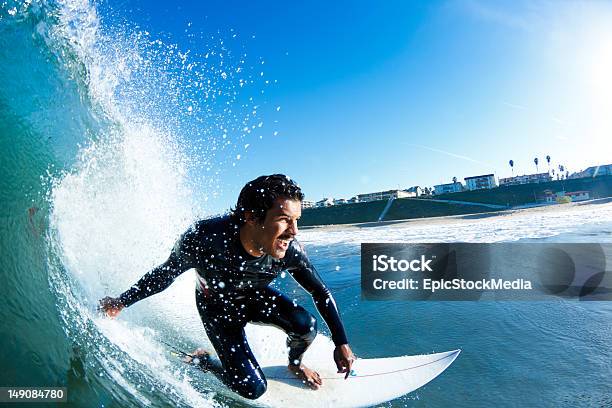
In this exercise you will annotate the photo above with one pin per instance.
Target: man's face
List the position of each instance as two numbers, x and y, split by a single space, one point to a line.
279 227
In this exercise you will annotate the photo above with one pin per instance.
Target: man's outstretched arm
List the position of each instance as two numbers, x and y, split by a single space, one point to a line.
153 282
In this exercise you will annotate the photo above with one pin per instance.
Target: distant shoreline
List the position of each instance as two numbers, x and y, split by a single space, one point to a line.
454 219
496 200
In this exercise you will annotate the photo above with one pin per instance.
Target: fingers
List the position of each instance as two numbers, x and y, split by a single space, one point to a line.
103 306
344 358
315 382
348 368
313 385
110 306
344 366
109 311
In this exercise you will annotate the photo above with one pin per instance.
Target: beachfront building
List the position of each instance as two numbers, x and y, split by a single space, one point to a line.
549 197
448 188
480 182
307 204
415 191
340 201
578 195
594 171
564 196
353 200
383 195
525 179
552 197
326 202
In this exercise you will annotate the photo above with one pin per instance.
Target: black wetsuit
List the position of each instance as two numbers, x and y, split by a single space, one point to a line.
233 289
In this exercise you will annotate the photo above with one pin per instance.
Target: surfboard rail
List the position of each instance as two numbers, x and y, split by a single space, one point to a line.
372 381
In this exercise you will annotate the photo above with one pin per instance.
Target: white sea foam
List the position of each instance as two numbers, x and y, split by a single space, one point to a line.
130 193
539 224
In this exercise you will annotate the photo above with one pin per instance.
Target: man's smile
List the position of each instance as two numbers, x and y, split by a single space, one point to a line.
283 241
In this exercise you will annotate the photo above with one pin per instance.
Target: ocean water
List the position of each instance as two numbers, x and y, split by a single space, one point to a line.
98 180
544 353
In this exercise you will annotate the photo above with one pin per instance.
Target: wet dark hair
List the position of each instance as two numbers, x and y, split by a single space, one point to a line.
259 195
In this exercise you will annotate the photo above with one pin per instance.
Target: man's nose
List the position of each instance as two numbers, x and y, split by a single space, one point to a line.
293 228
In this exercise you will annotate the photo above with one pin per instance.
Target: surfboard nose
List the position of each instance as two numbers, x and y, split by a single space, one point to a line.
453 354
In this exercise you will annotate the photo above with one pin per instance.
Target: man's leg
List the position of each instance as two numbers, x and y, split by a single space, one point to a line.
278 310
240 370
274 308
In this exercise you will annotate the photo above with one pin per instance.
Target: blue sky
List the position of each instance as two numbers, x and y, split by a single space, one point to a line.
378 95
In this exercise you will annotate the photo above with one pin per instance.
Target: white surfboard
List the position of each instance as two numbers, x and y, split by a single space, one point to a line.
372 381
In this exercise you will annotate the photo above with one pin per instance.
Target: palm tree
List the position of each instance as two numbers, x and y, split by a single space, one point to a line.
454 180
548 160
536 163
512 166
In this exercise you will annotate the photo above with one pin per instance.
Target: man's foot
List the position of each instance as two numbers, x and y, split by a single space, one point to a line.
308 376
199 358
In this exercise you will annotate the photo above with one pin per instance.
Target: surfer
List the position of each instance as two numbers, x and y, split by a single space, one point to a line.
236 257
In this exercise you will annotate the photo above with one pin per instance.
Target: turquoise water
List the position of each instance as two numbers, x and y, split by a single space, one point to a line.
547 353
96 185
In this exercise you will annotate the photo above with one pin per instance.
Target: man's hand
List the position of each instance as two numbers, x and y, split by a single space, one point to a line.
111 306
344 358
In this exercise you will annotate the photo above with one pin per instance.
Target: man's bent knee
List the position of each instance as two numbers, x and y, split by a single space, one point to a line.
305 324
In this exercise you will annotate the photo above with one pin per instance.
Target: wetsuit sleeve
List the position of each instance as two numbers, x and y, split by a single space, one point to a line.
304 273
181 259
